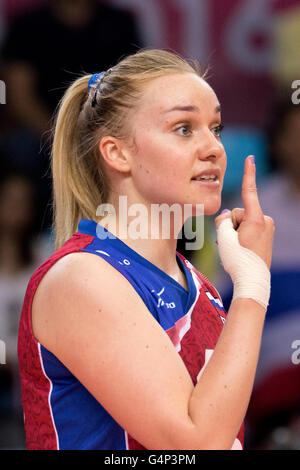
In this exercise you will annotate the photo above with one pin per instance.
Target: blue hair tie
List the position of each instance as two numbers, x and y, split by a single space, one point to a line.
94 79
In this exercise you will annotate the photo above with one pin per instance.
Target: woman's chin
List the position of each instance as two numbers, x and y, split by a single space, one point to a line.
211 211
211 206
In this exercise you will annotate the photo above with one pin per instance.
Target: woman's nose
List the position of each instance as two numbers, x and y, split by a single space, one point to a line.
210 146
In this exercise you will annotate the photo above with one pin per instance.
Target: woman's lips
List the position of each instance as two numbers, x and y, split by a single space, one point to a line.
211 184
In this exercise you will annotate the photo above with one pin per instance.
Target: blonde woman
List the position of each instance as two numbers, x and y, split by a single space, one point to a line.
123 344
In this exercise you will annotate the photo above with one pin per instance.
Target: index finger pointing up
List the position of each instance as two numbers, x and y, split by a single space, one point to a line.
249 191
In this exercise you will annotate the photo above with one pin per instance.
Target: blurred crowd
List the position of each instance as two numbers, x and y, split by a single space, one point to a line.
44 45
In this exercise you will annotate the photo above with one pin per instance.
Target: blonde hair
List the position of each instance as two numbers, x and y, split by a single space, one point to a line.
79 182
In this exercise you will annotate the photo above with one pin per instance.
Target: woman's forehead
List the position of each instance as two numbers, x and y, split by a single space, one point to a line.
167 92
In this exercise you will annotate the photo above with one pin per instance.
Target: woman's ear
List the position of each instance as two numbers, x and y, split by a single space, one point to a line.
114 153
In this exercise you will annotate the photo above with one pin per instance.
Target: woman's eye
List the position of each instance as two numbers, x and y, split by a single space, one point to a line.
218 130
184 130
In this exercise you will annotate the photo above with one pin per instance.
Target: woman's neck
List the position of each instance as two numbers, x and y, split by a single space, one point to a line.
156 244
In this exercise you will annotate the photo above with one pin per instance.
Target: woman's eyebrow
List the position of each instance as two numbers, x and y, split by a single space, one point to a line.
190 108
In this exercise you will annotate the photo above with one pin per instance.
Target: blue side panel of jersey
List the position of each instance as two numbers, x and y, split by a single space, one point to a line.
80 421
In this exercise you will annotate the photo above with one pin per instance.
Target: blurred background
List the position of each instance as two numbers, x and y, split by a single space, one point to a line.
252 50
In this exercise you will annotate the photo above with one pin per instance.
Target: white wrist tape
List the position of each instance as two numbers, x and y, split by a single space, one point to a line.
249 273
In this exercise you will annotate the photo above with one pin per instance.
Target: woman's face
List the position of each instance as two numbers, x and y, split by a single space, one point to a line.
178 156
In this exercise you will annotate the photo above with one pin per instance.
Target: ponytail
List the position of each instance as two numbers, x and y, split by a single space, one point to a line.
78 185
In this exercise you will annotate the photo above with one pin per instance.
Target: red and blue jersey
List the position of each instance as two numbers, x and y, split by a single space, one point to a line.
59 411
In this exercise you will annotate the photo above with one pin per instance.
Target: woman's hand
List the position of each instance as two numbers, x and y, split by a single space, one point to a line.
255 230
245 240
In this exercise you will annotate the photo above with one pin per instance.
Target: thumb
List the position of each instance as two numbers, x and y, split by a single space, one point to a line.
225 214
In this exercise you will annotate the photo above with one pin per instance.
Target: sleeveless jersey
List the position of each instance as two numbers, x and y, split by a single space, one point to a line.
59 412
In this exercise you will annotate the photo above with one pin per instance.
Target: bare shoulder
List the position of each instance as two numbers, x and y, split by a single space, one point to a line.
73 264
73 268
77 279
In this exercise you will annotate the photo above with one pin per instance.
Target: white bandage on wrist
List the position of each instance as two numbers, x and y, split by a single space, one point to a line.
249 273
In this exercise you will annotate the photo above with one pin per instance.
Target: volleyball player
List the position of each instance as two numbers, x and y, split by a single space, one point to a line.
123 344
